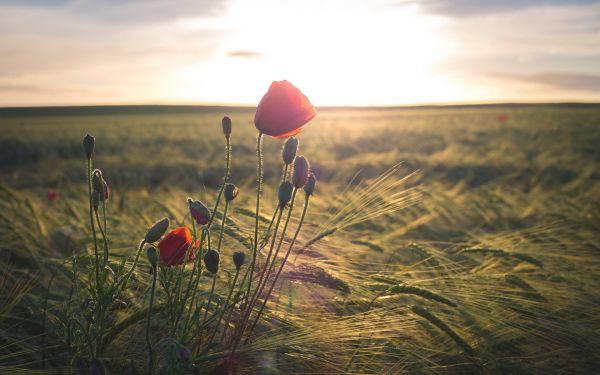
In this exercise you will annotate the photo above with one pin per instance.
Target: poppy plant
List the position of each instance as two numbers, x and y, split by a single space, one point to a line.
283 111
175 247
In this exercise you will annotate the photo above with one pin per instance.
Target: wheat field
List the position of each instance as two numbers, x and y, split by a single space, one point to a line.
440 240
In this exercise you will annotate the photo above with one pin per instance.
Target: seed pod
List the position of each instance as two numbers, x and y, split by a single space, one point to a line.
226 123
285 193
199 212
290 147
88 145
157 230
211 260
238 259
152 256
309 187
230 191
96 367
301 170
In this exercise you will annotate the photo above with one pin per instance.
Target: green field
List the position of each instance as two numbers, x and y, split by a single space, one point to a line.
440 240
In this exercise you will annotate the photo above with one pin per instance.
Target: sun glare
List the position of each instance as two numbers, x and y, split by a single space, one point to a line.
337 52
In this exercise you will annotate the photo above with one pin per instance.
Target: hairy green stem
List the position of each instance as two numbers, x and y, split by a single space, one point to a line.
148 342
258 191
225 179
237 274
93 227
281 266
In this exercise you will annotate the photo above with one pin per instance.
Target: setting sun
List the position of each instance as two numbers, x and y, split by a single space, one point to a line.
342 53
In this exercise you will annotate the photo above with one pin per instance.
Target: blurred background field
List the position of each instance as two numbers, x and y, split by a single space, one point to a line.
517 186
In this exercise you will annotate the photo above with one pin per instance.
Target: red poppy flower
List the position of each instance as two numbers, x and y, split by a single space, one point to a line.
175 247
53 195
283 111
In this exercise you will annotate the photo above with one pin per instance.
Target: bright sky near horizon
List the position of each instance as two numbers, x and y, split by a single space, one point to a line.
371 52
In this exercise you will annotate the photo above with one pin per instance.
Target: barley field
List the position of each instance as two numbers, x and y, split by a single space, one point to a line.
439 240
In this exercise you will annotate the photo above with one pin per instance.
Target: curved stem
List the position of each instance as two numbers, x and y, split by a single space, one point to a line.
237 273
225 179
222 225
258 191
212 291
89 176
229 316
135 262
103 232
281 266
281 239
250 302
150 353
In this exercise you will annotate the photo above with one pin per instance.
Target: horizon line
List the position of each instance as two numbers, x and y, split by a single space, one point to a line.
325 107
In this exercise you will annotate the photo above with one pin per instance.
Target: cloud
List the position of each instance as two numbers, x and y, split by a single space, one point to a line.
128 11
469 8
244 54
563 81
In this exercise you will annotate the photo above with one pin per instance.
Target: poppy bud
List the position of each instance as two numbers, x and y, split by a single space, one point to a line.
88 145
231 191
96 367
226 123
238 259
97 180
211 260
309 187
285 193
106 190
301 169
199 212
290 147
157 230
182 353
152 255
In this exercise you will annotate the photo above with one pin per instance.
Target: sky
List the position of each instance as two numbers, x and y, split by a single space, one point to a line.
371 52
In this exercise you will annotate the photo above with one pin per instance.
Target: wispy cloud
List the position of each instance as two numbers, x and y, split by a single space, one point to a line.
244 54
468 8
562 81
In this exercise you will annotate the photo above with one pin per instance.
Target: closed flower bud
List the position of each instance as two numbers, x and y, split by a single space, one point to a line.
157 230
199 212
97 180
285 193
230 191
309 187
226 123
238 259
88 145
301 170
106 190
152 256
211 260
290 147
